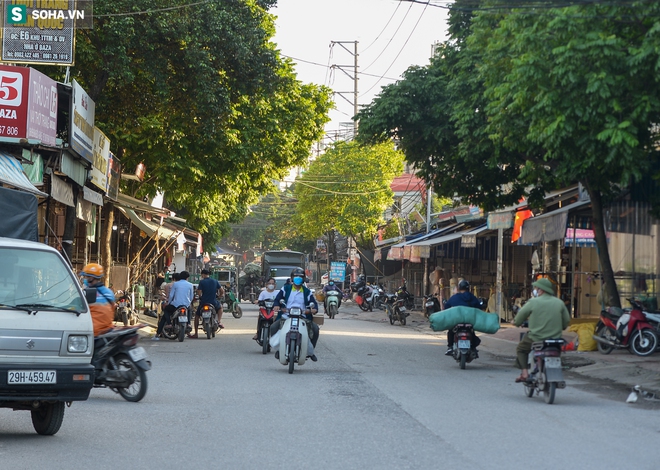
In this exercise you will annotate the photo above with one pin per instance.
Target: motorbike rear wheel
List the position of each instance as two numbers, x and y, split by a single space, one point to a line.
207 327
644 342
182 332
138 389
264 339
364 306
292 355
47 419
124 317
237 311
549 392
603 332
463 360
333 311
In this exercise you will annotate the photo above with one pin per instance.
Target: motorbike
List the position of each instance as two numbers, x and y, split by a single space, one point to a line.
179 324
379 297
332 303
267 316
545 374
233 304
395 309
365 298
120 365
617 329
431 304
407 297
209 320
292 340
463 352
123 311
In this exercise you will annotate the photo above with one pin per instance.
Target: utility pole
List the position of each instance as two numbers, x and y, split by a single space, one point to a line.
429 195
353 77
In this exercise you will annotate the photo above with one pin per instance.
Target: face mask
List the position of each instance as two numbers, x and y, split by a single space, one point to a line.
331 283
270 286
85 282
535 293
298 281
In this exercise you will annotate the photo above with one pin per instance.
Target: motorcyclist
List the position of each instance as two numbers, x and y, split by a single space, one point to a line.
330 286
548 317
208 290
103 310
297 295
181 295
463 298
269 293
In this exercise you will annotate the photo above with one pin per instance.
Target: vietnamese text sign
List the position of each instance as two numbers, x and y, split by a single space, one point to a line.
101 151
500 220
337 271
14 83
468 240
42 108
82 122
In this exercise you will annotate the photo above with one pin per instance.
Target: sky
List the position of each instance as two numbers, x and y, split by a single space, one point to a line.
391 35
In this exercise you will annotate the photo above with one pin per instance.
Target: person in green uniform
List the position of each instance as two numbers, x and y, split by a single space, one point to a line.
548 317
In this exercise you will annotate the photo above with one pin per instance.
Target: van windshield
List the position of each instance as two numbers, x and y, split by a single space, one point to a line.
38 277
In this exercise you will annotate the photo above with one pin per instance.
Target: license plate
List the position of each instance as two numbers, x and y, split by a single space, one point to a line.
206 315
553 362
22 377
137 354
463 344
402 309
429 304
183 319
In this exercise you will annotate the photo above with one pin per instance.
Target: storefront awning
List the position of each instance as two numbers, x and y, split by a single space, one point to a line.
11 173
450 237
550 226
430 235
147 226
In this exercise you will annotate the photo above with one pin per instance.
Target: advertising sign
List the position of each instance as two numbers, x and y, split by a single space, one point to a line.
468 240
82 123
28 104
42 108
337 271
101 154
43 31
500 220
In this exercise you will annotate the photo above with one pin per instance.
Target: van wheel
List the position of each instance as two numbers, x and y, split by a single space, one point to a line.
47 419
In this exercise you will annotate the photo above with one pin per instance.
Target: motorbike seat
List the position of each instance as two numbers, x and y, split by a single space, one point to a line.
552 342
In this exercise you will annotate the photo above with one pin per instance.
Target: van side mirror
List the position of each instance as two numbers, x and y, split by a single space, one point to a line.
90 295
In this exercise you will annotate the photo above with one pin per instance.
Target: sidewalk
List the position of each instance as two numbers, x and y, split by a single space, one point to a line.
620 367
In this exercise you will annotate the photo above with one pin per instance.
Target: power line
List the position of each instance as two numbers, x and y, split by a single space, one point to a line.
327 66
155 10
392 38
384 27
361 193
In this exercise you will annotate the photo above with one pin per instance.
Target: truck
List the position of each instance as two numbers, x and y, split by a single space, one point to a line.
279 264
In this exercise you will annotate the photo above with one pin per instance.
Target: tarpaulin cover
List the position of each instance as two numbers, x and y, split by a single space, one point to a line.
481 321
18 215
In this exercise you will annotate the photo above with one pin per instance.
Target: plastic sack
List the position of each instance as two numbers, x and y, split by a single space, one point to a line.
275 340
622 324
359 300
449 318
585 332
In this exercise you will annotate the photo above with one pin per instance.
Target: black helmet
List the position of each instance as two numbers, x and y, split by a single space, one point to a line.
463 285
297 272
361 277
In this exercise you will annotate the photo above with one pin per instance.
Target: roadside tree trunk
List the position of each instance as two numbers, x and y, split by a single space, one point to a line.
106 237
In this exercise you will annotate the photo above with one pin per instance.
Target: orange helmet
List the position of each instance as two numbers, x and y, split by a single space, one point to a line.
93 270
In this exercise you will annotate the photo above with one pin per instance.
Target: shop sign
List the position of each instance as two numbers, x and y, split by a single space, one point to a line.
500 220
101 152
82 122
468 240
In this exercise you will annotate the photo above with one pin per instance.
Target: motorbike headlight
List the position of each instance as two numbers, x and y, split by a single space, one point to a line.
77 344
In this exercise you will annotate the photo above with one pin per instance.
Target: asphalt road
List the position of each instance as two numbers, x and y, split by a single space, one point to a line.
380 396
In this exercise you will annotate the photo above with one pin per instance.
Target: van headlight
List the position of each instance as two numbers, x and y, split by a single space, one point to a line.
77 344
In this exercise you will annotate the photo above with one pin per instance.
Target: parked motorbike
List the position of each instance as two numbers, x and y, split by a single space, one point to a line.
120 365
431 304
267 316
332 303
292 340
123 309
634 333
463 352
179 324
379 297
365 298
395 309
407 297
545 374
209 320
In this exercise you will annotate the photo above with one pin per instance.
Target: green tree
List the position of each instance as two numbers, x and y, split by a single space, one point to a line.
203 98
347 189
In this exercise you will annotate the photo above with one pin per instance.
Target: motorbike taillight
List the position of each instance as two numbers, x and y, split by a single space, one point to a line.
131 341
182 312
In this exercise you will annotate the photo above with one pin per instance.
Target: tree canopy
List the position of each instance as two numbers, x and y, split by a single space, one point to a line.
518 103
203 98
347 189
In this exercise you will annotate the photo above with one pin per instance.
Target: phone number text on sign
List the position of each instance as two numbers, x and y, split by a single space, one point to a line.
13 102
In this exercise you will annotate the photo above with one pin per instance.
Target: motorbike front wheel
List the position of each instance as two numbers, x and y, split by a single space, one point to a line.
605 333
364 306
529 390
292 355
264 339
138 389
388 309
333 311
237 312
644 342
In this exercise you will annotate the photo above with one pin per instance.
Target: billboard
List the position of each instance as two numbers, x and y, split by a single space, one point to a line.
81 134
28 104
101 154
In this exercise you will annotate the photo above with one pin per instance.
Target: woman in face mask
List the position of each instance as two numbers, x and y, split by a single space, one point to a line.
268 293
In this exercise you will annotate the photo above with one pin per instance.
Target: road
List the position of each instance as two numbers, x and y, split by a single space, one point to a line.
380 396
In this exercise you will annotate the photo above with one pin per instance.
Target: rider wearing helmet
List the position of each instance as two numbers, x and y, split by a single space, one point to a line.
297 295
103 310
330 286
463 298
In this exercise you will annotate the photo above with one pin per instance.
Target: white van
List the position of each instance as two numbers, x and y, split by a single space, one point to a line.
46 333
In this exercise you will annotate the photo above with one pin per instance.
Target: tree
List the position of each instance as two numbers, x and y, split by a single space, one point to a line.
347 189
202 97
